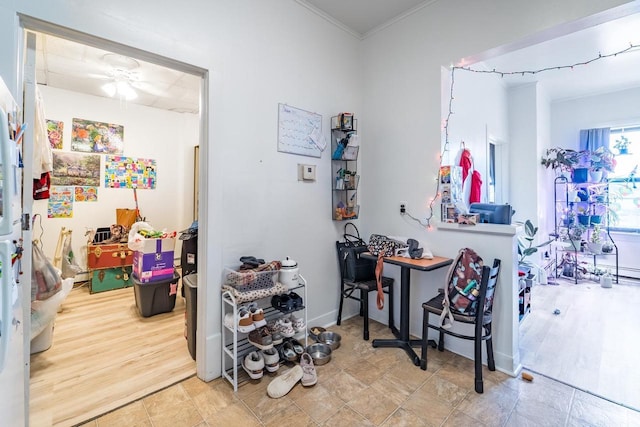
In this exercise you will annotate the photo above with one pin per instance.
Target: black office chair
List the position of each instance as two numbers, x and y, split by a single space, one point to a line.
482 321
348 288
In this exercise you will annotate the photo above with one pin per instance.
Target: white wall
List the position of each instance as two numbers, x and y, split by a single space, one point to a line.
603 110
403 98
150 133
259 53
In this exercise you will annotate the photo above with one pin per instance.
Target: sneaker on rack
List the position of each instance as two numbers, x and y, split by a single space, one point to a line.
297 323
309 375
261 338
253 364
258 317
271 359
285 327
274 330
245 320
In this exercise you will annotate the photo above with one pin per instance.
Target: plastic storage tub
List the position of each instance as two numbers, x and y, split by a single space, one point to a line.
190 284
156 297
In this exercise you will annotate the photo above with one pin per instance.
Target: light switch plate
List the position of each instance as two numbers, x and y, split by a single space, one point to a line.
306 172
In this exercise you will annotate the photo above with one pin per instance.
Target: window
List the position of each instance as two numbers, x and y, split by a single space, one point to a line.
624 188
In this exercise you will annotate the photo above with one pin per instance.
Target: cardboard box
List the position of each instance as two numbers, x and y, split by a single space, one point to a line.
155 260
468 219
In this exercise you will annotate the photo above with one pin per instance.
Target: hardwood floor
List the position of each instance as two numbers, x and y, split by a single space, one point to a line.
105 355
592 344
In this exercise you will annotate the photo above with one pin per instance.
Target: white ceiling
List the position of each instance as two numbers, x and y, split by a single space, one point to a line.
67 65
72 66
616 73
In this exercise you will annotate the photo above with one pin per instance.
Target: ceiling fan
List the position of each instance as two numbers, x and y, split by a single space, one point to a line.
124 78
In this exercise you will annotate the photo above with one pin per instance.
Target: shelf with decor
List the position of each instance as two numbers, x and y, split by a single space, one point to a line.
345 148
582 218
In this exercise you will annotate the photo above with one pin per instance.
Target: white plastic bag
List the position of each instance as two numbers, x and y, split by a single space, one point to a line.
136 240
45 279
43 312
69 266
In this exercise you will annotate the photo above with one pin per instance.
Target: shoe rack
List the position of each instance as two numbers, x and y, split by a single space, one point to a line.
235 344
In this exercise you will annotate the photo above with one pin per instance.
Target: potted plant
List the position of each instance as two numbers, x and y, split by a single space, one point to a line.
600 160
575 235
526 246
583 213
595 240
622 145
560 159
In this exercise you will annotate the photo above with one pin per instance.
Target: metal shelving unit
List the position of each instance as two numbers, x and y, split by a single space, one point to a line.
563 204
235 345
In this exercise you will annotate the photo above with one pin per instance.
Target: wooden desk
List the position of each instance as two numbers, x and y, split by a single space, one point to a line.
406 265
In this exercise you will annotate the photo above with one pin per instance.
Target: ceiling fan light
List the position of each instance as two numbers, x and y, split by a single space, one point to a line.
109 89
126 91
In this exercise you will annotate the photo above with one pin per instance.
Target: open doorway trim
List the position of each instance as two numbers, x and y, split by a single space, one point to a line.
28 23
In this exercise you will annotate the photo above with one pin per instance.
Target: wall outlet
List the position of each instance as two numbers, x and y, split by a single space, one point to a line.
403 208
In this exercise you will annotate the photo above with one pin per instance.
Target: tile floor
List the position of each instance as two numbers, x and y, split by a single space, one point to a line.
363 386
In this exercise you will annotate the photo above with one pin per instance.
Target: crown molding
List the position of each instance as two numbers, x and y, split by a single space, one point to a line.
397 18
329 18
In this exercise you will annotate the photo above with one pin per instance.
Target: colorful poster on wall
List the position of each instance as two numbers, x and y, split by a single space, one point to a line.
128 172
55 132
86 194
96 137
75 169
60 202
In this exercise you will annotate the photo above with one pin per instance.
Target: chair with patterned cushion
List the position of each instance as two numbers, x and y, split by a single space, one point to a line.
349 288
481 320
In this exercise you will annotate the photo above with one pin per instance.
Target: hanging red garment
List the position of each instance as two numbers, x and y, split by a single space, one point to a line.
466 163
476 187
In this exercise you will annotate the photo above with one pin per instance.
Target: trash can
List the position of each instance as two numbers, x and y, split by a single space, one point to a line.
190 282
189 253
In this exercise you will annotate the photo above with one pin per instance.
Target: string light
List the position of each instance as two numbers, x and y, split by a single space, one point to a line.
446 122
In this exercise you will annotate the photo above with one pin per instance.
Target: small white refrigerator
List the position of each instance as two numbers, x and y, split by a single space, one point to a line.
14 355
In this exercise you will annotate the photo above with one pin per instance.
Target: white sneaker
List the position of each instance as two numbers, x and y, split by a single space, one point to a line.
245 320
282 384
309 375
285 327
253 364
271 359
297 323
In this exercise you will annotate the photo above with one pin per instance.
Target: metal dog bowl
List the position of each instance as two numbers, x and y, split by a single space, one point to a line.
320 353
332 339
314 331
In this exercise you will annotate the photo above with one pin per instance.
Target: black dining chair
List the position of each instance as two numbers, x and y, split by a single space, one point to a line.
348 290
482 321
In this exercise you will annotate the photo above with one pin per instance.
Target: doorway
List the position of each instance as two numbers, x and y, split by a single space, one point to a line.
128 324
570 334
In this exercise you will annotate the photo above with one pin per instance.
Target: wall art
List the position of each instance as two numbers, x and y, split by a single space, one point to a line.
96 137
129 172
55 133
75 169
86 194
60 202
